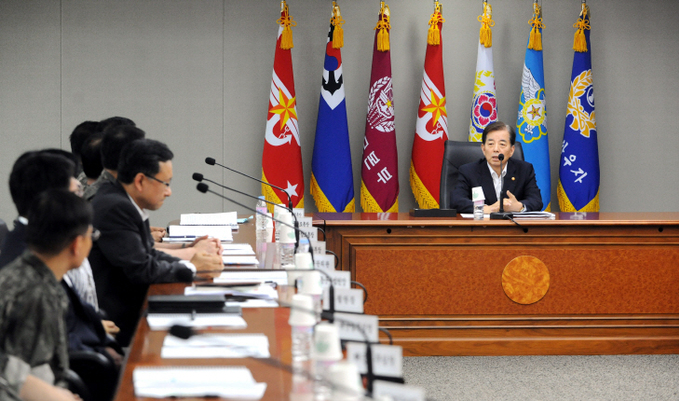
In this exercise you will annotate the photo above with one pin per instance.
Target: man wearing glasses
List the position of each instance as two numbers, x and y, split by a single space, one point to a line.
124 260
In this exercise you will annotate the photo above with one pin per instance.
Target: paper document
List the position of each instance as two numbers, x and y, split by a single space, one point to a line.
518 215
240 260
163 321
224 233
273 276
196 381
216 346
209 219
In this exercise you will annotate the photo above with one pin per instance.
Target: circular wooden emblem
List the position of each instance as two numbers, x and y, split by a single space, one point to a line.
525 280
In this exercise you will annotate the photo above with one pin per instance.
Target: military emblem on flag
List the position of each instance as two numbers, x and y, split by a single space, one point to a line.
484 101
282 155
431 129
379 171
531 123
578 189
332 181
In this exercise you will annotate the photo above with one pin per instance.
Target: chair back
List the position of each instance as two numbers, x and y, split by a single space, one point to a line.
455 154
3 231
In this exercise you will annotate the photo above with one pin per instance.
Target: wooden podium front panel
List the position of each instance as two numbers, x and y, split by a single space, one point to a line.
437 285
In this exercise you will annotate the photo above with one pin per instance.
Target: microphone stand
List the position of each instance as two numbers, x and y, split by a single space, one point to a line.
211 161
501 215
204 188
200 178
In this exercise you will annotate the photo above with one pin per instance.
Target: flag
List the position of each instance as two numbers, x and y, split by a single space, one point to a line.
484 101
431 129
379 170
531 123
332 181
578 189
282 155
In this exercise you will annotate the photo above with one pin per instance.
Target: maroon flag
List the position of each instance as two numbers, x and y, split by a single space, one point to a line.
379 171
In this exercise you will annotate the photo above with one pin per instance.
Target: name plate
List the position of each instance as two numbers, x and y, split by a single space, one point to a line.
305 222
340 279
346 300
324 262
311 232
349 324
318 247
397 392
387 359
298 212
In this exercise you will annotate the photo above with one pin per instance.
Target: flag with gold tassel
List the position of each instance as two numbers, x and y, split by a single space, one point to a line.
431 129
531 123
282 155
379 170
578 189
484 101
332 181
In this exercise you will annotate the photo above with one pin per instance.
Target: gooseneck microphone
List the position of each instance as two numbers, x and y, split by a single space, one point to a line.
200 178
204 188
501 215
211 161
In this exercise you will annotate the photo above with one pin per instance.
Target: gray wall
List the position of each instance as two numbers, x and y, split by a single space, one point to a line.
196 74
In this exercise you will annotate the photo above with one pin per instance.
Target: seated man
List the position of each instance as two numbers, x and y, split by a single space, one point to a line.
32 302
123 260
521 190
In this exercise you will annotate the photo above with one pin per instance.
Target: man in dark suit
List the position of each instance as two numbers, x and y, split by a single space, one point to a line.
521 192
123 260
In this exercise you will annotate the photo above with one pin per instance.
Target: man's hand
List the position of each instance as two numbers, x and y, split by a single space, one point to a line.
495 207
117 358
158 233
110 327
511 204
210 264
209 245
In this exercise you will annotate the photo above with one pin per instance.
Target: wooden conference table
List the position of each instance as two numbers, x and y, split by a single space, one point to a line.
273 322
595 283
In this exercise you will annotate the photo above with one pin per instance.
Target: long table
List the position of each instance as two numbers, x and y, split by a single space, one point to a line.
273 322
594 283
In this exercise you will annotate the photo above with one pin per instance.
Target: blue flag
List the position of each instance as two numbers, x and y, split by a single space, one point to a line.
332 181
531 123
578 189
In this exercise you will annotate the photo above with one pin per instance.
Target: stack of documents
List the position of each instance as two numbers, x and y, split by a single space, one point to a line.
196 381
163 321
217 346
238 250
258 296
189 233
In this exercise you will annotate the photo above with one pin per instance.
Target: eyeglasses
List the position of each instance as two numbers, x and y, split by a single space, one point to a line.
95 235
167 184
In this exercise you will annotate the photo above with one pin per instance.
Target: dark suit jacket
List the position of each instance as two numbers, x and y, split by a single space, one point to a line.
124 261
519 180
14 244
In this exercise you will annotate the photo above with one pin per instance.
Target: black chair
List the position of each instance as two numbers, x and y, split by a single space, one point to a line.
455 154
98 374
3 231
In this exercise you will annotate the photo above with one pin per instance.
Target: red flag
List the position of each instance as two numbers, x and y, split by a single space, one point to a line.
282 156
431 130
379 174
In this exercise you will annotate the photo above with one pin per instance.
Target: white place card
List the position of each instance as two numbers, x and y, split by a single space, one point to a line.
354 327
346 300
340 279
387 359
324 262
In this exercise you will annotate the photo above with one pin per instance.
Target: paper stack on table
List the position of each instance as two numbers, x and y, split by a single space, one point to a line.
216 346
163 321
196 381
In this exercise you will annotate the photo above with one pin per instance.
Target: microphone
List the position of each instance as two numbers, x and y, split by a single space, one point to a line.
204 188
211 161
501 215
200 178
